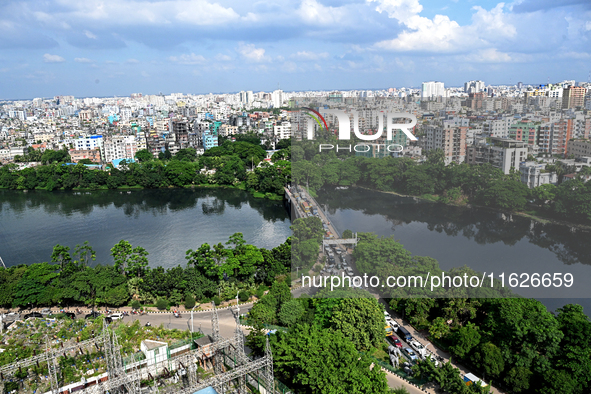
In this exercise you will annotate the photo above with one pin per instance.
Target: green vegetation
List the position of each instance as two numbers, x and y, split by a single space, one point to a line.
482 184
221 271
222 166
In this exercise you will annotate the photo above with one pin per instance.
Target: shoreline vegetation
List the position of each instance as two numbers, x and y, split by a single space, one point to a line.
212 273
241 164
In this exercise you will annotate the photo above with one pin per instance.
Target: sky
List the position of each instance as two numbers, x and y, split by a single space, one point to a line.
118 47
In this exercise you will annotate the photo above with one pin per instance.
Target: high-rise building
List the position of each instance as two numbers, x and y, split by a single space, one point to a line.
524 131
553 137
120 147
473 87
451 140
277 98
573 97
432 90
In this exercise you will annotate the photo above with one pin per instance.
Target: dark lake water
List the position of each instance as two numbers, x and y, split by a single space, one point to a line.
165 222
484 240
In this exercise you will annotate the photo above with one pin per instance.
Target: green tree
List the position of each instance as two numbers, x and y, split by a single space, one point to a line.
85 253
291 312
122 252
439 328
324 362
61 255
464 340
143 155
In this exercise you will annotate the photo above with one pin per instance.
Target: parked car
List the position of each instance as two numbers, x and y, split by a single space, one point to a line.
394 325
93 315
395 341
33 314
411 354
46 311
116 316
404 334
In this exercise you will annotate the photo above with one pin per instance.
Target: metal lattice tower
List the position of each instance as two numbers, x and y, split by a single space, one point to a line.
215 326
51 367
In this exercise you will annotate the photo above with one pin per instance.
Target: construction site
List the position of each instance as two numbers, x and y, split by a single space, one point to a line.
207 365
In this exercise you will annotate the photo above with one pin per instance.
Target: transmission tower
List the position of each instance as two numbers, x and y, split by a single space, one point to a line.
51 366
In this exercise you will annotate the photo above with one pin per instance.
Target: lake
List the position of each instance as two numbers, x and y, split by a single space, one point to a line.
484 240
166 222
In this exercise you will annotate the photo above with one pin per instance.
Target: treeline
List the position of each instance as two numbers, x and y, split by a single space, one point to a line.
224 165
215 273
477 184
512 341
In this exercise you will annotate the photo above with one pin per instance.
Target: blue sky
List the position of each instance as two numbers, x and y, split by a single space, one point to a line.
118 47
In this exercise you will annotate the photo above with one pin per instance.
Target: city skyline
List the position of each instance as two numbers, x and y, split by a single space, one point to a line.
62 47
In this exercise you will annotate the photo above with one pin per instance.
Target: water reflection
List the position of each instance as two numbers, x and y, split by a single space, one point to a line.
570 244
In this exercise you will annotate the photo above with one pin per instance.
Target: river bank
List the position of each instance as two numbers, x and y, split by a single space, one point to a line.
241 186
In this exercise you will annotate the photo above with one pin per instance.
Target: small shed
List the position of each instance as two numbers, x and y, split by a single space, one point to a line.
204 344
154 351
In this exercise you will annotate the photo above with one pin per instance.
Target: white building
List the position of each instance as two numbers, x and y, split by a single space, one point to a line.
89 143
120 147
432 89
473 87
534 174
277 98
283 131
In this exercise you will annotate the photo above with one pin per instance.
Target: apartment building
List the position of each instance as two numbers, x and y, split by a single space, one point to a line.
120 147
579 148
451 140
499 152
553 137
524 131
89 143
573 97
282 131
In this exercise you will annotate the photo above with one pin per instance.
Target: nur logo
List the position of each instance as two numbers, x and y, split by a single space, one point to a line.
345 124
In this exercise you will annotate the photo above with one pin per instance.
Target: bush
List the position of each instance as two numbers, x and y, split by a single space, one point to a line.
161 304
244 295
189 301
259 293
217 300
135 304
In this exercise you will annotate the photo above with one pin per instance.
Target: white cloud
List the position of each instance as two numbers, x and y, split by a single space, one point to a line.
443 35
89 35
82 60
191 59
47 58
132 61
159 12
222 58
252 53
315 13
305 55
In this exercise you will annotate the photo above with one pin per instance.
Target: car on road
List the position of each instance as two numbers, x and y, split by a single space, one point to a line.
395 341
394 325
411 354
116 316
33 314
92 315
46 311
